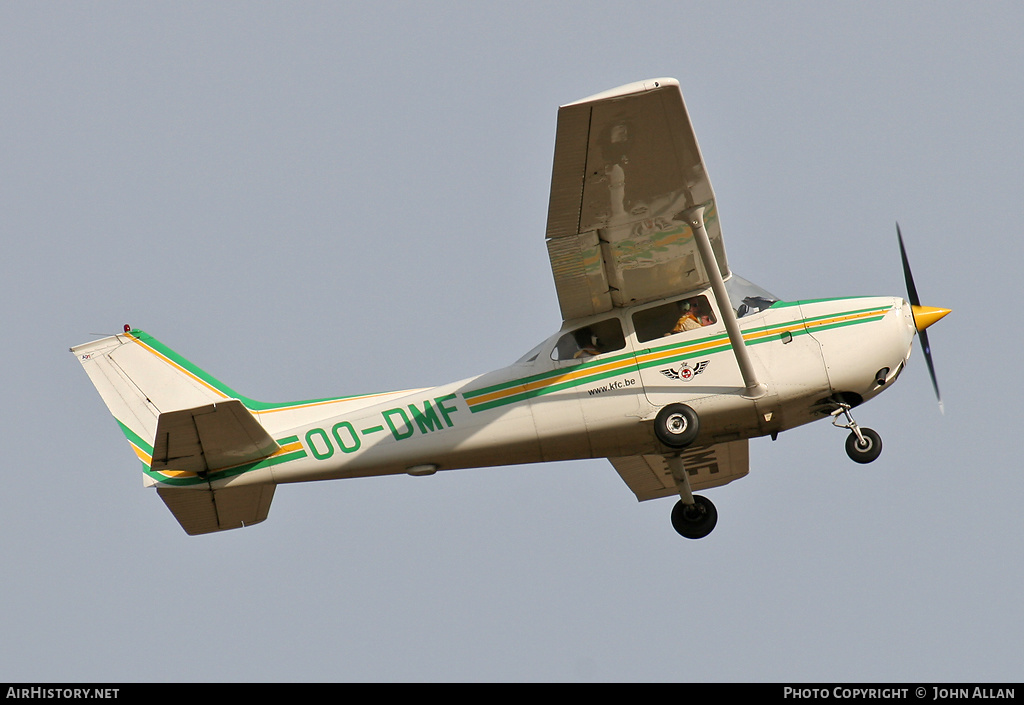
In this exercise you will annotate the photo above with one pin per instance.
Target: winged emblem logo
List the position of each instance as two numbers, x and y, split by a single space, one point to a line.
685 372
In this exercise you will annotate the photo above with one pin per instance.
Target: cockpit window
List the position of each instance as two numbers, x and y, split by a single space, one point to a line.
747 298
588 341
671 318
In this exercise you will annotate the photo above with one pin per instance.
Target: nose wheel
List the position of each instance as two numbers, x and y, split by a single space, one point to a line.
863 445
865 448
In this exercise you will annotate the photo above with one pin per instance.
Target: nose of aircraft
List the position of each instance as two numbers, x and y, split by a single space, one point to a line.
924 316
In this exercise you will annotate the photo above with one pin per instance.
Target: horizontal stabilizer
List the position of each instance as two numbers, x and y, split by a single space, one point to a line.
210 437
708 466
206 511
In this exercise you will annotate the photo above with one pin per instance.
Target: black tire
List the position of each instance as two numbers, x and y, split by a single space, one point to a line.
677 425
694 521
864 452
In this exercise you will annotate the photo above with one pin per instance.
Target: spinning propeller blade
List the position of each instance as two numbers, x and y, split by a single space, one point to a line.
924 316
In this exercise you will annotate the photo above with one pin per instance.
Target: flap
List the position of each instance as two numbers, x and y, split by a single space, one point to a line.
206 511
580 278
626 166
708 466
210 437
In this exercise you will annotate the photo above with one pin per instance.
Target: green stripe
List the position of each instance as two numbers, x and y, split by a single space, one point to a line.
880 309
220 386
841 324
134 438
229 472
681 353
540 391
541 376
784 304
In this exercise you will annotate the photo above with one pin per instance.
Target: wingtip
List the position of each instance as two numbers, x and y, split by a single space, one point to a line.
634 88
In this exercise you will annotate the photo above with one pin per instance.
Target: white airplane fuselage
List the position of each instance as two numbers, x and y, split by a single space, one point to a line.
808 354
666 362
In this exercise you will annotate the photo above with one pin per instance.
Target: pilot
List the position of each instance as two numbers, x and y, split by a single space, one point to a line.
688 320
586 341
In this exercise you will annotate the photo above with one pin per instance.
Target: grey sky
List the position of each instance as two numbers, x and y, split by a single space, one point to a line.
311 199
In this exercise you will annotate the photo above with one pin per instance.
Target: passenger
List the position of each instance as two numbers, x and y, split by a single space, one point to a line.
704 317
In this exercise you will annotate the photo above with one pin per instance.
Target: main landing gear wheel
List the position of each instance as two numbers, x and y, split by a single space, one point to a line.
866 450
677 425
694 521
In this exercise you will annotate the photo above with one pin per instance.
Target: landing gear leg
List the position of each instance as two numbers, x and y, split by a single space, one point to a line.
862 445
694 516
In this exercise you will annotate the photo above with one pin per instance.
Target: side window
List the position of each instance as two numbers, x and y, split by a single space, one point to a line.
676 317
587 341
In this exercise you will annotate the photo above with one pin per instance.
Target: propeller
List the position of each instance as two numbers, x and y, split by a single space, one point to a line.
924 316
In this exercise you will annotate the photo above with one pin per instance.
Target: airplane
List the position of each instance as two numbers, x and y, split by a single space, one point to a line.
666 362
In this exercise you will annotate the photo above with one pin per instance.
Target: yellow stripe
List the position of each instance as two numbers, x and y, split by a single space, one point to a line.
685 350
323 402
538 384
672 352
289 448
143 455
850 317
176 474
175 365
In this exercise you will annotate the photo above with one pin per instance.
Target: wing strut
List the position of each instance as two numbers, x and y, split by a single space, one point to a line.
695 217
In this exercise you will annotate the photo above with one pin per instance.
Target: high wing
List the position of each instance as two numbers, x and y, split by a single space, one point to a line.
626 165
709 466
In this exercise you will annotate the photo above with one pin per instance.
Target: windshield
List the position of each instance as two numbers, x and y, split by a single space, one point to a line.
747 298
531 355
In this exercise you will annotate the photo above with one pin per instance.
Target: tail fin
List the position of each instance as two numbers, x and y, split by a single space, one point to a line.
139 379
186 427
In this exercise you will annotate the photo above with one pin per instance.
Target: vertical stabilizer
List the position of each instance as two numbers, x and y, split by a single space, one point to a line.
139 379
188 429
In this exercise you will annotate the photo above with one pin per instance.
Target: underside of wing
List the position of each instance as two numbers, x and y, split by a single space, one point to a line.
626 167
708 466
